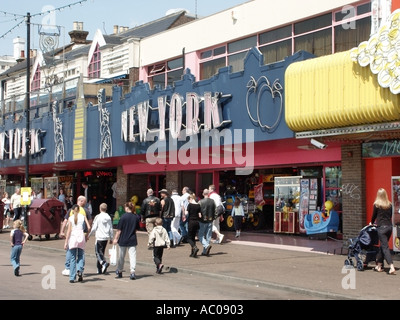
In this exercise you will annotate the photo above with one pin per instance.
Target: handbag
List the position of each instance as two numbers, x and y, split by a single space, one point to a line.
220 210
113 255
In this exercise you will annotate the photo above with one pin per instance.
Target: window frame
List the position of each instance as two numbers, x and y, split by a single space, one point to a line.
94 67
35 84
162 69
292 37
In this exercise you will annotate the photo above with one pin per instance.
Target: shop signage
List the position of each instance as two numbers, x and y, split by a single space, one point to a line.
63 179
104 174
26 196
98 173
378 149
135 120
13 143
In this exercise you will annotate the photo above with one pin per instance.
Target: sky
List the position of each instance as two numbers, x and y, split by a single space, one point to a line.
95 14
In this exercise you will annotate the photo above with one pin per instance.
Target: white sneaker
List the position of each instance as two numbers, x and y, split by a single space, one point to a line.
221 237
65 272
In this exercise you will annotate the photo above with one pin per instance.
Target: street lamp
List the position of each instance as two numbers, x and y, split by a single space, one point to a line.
27 98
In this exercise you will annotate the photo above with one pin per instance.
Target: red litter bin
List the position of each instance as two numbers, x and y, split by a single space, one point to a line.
44 218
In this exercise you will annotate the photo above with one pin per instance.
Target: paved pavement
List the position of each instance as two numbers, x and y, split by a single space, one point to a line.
286 262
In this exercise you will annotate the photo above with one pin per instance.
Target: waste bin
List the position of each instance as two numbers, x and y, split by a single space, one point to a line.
44 218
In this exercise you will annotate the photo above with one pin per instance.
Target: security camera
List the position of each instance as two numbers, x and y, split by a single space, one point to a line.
318 144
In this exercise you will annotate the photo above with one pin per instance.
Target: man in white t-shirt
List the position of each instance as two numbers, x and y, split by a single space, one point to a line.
15 204
216 225
177 237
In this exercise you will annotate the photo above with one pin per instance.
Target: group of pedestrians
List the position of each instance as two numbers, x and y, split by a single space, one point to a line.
170 219
184 218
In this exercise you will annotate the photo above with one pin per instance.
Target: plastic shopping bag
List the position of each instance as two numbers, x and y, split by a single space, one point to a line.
113 255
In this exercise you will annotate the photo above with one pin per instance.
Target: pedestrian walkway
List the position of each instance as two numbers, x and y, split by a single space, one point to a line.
284 262
291 242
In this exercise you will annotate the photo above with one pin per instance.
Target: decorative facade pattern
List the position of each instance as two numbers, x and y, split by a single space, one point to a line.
105 131
382 53
58 136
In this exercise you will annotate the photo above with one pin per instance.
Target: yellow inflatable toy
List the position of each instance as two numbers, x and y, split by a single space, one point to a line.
328 208
135 200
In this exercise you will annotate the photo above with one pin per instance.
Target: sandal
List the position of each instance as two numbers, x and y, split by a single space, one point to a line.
378 269
393 272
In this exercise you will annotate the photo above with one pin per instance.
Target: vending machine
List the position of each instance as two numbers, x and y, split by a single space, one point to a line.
286 212
309 201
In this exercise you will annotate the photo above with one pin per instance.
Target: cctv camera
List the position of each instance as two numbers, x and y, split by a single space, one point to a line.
318 144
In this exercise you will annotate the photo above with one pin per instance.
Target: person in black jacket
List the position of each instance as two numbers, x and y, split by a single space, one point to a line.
150 210
382 217
167 213
208 214
193 216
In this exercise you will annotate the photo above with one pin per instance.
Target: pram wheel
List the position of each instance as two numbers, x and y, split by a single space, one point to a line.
360 266
348 263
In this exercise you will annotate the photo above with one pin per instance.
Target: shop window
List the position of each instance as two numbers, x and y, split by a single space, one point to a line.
318 43
209 68
243 44
313 24
364 8
276 51
322 35
333 188
347 38
275 35
236 61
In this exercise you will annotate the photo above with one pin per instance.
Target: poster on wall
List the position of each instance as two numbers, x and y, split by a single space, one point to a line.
313 195
259 195
36 185
50 187
304 202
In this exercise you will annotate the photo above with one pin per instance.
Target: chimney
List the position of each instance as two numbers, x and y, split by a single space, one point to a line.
78 36
115 29
33 53
19 45
78 26
21 57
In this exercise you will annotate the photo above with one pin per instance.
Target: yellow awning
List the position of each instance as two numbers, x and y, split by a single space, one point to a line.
334 91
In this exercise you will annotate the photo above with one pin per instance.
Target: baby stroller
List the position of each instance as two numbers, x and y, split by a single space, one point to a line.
363 248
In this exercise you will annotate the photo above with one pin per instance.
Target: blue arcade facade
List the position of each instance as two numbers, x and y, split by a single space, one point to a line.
224 130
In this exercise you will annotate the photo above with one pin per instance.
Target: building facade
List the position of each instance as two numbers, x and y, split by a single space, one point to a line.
236 108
